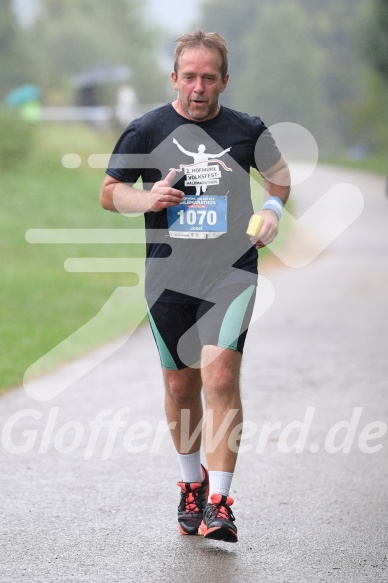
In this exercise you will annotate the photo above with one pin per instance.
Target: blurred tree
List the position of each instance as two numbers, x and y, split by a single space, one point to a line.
277 77
70 37
335 27
370 120
15 64
376 44
370 125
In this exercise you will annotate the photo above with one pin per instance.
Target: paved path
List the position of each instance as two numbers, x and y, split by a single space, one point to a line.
318 356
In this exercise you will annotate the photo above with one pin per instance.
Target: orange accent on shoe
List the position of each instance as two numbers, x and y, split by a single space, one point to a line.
181 529
193 501
216 499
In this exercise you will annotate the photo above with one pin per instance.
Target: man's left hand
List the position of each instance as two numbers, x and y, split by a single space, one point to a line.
268 231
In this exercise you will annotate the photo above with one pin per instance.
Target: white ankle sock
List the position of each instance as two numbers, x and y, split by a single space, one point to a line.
190 464
220 483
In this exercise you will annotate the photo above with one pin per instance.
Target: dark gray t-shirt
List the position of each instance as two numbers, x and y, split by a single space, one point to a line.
201 246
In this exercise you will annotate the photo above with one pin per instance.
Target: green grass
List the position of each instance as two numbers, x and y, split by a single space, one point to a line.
373 163
42 304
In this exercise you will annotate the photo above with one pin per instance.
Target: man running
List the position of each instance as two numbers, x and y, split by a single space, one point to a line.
201 267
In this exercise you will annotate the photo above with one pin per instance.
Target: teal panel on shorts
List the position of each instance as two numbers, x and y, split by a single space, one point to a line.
164 353
233 320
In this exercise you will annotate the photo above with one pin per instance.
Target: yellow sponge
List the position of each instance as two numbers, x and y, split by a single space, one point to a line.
254 225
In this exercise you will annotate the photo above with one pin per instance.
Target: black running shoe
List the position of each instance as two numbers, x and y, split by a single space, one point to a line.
193 501
218 520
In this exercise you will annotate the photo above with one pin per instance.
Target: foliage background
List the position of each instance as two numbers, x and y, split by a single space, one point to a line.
323 65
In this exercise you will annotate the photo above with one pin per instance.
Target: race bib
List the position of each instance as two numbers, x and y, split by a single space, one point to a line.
198 217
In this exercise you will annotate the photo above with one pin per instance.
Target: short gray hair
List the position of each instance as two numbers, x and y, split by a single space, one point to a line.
209 40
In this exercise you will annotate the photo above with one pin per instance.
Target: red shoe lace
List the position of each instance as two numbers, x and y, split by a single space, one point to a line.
221 511
190 500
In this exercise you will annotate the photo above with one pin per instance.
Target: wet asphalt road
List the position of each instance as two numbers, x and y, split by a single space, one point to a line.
83 503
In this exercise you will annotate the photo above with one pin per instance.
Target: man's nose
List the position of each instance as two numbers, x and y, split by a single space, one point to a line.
199 87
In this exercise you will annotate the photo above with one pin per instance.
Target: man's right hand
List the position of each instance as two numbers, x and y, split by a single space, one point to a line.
162 195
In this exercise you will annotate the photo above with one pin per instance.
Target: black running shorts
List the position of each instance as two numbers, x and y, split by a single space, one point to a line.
182 329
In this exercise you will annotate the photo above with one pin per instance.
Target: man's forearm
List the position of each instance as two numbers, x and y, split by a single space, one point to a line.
124 198
278 184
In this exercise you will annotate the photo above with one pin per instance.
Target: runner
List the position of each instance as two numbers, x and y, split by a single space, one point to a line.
201 267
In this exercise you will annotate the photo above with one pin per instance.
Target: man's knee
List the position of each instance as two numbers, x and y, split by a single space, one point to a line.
222 375
182 386
222 385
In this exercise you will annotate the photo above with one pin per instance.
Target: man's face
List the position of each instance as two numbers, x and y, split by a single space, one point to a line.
199 83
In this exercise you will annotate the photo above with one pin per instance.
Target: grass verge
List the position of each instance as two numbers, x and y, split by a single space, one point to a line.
41 303
375 163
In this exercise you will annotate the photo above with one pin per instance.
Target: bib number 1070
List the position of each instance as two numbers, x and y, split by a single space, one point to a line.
198 217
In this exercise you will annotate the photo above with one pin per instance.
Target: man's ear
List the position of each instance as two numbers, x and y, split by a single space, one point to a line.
174 80
225 82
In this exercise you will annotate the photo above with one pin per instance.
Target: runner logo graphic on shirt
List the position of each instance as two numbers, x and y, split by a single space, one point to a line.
201 174
204 217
